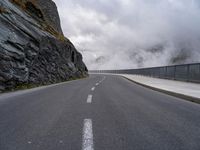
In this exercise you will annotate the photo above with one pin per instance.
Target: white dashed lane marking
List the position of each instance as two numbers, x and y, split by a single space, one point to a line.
89 99
87 143
102 79
93 88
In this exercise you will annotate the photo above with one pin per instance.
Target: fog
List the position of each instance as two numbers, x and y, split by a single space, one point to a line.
119 34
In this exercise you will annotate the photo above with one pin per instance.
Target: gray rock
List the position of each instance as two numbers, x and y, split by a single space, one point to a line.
49 9
32 49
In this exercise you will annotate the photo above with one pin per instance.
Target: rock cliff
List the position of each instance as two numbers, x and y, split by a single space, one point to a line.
33 49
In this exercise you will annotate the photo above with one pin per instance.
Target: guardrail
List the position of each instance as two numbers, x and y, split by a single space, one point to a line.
185 72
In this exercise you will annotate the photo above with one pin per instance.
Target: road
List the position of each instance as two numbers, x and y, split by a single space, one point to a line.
98 113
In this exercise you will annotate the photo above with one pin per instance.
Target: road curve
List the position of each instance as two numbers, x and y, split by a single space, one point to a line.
101 112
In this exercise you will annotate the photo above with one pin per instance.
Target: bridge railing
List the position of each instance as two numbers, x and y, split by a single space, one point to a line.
185 72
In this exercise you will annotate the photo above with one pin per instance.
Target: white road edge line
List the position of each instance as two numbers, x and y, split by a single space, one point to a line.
89 99
97 84
87 143
93 88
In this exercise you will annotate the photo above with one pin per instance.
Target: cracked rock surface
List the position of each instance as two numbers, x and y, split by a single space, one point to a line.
33 49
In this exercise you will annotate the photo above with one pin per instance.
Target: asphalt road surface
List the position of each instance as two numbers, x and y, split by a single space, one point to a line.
98 113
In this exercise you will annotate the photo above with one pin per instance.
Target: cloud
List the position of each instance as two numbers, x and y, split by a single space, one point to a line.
118 34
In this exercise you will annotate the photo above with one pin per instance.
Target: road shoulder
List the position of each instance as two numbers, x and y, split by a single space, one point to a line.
166 91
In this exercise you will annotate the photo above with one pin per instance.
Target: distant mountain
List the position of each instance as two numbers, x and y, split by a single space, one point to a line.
33 49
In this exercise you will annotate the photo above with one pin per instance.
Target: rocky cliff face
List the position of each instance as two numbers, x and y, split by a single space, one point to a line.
33 49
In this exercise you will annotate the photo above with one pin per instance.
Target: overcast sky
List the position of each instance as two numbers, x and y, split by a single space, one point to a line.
116 34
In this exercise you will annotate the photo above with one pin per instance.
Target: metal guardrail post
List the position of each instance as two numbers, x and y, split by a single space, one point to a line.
165 72
175 72
160 72
188 72
199 72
